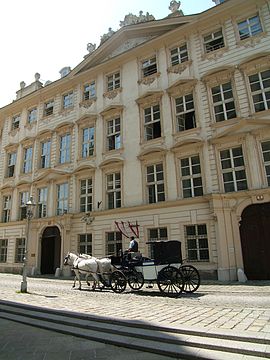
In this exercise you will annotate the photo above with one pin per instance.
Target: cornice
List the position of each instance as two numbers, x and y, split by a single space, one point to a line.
149 97
112 110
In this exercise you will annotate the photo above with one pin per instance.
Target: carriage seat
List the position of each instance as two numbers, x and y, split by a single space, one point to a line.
135 258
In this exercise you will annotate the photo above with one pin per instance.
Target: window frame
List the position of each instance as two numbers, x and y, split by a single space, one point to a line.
197 237
223 102
64 148
266 160
151 240
85 241
192 177
27 160
3 250
88 195
261 92
6 208
20 250
149 67
88 94
62 202
185 112
24 198
113 137
30 117
48 109
180 59
154 185
213 38
114 194
246 20
154 124
42 205
113 81
45 153
68 100
15 122
11 163
233 170
116 242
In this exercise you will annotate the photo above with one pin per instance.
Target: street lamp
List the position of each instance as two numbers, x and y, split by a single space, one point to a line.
29 214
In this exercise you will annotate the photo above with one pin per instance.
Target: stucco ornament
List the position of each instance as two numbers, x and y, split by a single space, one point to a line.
91 47
131 19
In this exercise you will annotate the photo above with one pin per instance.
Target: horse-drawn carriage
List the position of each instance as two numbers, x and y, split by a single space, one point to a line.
166 269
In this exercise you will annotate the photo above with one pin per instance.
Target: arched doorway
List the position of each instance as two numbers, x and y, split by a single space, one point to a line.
255 241
50 250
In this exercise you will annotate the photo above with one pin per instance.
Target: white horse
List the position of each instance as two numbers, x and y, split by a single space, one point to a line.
99 269
82 264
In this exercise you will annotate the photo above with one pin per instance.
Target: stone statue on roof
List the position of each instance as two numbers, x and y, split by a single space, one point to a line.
107 35
174 7
91 47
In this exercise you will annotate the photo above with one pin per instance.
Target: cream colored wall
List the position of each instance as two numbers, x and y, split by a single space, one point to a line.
219 211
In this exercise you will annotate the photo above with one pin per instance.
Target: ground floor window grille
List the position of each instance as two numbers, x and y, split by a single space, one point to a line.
156 234
114 242
85 244
197 242
3 250
266 158
20 250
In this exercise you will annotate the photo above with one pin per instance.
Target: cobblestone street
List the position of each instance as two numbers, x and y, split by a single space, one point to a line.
237 307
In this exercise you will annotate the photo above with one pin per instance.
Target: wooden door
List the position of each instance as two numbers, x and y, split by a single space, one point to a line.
255 241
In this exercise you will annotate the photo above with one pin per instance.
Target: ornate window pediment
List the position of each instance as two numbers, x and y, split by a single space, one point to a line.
86 120
256 64
219 76
112 111
182 87
149 98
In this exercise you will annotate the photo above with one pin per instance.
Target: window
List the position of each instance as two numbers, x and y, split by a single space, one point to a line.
113 134
197 243
6 208
64 149
156 234
233 169
191 177
149 67
24 198
86 195
179 55
32 116
266 159
68 100
15 122
42 202
48 108
113 190
85 244
11 164
3 250
27 160
20 250
113 81
260 90
213 41
114 243
224 106
249 27
62 199
152 125
185 113
89 91
155 183
45 154
88 142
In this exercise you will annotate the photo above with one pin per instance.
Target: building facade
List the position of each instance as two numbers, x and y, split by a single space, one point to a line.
165 125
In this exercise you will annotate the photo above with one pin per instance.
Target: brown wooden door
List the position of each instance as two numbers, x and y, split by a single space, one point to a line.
255 240
50 250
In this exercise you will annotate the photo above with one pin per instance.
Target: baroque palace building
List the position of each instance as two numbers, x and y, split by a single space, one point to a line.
165 125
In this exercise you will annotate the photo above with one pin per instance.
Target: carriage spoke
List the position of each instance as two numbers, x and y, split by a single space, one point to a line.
191 278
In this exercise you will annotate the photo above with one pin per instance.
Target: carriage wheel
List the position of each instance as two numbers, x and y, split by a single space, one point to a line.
170 281
191 278
135 280
118 281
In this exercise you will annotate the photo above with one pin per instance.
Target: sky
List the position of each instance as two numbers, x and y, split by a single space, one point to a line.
38 36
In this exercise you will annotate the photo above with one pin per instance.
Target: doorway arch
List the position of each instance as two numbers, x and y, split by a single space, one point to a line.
255 241
50 250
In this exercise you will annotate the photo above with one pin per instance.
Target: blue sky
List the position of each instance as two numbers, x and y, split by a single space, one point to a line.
45 36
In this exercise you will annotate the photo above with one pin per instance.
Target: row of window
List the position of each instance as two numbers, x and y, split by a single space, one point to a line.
212 41
223 105
233 171
196 241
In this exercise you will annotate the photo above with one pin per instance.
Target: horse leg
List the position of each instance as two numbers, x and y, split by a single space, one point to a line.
77 276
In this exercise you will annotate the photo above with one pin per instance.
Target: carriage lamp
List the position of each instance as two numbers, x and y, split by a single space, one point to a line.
30 205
